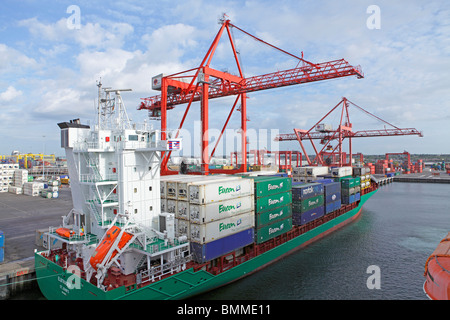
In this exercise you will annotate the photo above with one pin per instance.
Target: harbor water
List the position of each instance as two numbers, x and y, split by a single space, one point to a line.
387 245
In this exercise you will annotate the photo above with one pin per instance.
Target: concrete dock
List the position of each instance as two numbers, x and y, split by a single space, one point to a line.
20 217
427 176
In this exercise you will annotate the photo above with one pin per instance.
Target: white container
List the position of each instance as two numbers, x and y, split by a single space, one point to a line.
165 179
207 232
171 206
205 213
182 210
298 171
182 228
316 171
204 192
323 127
15 190
341 171
183 184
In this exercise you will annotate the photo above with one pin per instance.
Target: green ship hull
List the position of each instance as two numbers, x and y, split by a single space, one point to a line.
53 279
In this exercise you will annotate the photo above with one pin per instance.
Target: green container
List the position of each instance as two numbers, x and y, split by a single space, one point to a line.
307 204
30 178
267 185
277 214
339 179
273 201
350 182
272 230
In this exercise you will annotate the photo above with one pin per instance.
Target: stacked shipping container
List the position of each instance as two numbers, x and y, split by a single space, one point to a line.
308 174
332 195
273 210
216 213
307 202
7 175
350 190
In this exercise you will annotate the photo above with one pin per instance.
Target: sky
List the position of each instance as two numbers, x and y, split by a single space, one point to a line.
52 53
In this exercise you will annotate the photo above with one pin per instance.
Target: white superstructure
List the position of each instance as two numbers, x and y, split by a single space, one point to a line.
114 170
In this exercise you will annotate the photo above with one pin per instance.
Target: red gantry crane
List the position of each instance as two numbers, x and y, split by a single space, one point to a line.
205 83
336 155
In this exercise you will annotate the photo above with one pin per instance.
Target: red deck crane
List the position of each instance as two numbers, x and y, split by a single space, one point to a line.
344 130
204 83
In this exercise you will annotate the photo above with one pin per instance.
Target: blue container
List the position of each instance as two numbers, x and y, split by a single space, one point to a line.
214 249
358 196
329 207
348 199
280 174
307 216
307 190
297 183
325 181
333 206
332 187
2 254
2 239
331 197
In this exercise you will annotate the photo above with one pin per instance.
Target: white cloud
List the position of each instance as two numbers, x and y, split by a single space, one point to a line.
10 94
12 60
95 35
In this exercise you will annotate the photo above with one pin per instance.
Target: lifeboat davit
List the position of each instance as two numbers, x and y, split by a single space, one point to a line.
103 248
437 272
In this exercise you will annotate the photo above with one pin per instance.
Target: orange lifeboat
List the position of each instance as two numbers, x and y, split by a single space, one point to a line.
103 248
65 232
437 272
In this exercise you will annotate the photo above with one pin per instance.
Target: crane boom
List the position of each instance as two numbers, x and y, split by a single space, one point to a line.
221 88
356 134
344 130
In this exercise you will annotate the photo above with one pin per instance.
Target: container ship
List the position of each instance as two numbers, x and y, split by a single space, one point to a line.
134 234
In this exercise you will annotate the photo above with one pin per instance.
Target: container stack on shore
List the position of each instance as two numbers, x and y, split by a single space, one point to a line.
20 178
32 188
273 206
50 190
7 175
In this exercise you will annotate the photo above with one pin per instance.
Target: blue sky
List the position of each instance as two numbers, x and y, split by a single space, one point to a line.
48 71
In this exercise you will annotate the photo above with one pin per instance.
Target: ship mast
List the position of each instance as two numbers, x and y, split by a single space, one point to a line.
109 106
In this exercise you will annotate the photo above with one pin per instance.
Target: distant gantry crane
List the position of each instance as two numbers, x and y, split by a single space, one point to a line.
329 155
204 83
